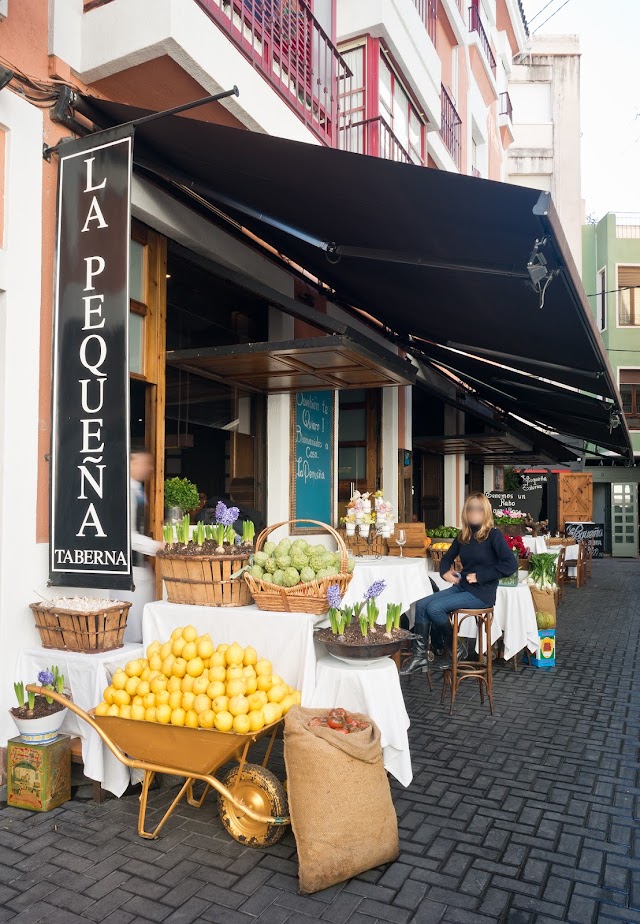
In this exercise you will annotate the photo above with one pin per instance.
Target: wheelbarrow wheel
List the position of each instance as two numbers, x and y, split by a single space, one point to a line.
264 793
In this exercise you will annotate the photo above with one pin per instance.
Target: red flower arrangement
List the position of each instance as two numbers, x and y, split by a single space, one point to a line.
517 546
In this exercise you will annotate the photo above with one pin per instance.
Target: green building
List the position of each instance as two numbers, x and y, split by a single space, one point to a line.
611 278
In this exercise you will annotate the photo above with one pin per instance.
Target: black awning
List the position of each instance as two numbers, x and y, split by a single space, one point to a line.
427 253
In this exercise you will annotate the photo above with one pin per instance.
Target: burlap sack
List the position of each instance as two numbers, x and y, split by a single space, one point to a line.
340 803
544 601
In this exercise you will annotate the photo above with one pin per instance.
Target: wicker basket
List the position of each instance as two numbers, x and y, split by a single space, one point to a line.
204 580
304 598
75 630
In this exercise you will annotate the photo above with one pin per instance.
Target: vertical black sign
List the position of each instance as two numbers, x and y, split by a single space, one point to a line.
90 495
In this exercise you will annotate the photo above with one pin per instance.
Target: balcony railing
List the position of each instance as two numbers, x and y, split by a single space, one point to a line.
506 109
372 136
475 25
450 126
627 225
475 172
428 10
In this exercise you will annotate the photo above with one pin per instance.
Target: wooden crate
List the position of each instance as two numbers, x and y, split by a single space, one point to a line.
39 775
416 535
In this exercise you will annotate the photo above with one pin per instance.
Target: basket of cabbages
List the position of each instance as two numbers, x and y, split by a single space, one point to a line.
294 575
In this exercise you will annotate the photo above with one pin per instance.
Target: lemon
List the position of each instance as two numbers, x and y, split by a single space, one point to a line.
188 701
138 713
287 703
189 651
108 695
250 656
143 688
238 705
264 667
195 667
158 684
249 671
179 668
255 702
207 719
178 716
234 654
256 719
220 704
163 714
278 709
150 714
162 698
216 689
191 719
189 634
153 647
177 633
113 710
145 674
234 672
252 685
173 684
201 703
165 651
149 700
264 682
264 699
121 698
223 721
200 684
136 701
119 679
124 712
242 724
236 687
167 665
277 693
186 684
205 647
102 708
218 673
276 679
134 668
298 697
217 660
175 699
271 713
222 649
155 661
178 646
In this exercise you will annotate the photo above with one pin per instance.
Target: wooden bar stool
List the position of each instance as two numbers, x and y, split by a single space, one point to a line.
480 670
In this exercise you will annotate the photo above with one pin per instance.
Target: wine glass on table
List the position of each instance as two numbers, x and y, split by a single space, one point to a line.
401 540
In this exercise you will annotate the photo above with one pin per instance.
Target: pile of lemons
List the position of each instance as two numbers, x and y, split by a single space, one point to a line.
188 681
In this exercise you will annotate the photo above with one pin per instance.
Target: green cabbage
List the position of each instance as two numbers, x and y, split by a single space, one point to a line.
291 577
351 563
269 548
298 559
260 558
283 546
256 572
307 574
278 578
270 565
301 544
283 561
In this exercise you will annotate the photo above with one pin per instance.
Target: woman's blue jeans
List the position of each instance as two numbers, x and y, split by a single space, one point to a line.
434 611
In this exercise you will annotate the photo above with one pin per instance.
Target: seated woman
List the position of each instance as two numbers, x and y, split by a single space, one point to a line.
485 558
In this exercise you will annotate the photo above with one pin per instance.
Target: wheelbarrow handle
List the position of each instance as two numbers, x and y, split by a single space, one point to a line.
73 707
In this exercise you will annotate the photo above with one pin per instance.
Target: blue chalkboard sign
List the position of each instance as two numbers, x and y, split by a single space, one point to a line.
312 457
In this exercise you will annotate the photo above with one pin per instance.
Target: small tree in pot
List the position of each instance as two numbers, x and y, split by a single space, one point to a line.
180 497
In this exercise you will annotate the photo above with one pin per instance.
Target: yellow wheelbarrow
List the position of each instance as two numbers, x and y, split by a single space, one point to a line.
252 801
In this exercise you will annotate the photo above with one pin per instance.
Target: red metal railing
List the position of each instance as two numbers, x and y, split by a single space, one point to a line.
428 10
475 172
450 126
506 108
372 136
475 25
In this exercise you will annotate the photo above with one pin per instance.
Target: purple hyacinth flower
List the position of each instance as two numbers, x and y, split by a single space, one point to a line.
334 597
221 510
45 678
375 590
230 516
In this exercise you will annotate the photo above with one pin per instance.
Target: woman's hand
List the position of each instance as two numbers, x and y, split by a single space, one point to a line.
472 578
452 577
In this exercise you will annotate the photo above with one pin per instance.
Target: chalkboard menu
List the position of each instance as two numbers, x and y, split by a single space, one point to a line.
527 499
580 531
312 458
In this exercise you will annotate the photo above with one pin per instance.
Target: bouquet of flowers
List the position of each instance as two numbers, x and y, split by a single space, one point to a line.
507 516
517 546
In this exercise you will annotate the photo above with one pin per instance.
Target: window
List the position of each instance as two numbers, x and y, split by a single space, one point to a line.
629 296
353 128
630 394
601 299
402 117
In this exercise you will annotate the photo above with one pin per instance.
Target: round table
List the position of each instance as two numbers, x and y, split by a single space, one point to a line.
374 690
406 579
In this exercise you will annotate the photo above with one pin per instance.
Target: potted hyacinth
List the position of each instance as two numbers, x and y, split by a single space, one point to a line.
511 522
37 716
355 633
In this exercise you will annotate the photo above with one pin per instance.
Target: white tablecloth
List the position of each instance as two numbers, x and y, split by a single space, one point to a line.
407 580
374 690
514 619
87 676
286 639
535 544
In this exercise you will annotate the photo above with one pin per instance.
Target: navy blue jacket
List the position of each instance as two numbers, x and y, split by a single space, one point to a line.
489 560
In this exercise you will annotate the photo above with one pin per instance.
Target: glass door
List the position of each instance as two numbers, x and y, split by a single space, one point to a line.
624 520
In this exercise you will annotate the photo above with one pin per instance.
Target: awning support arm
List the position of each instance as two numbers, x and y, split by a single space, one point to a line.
510 358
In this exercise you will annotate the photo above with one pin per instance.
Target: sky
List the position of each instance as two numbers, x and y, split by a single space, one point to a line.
609 31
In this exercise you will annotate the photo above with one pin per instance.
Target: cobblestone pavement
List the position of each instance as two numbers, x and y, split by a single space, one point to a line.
529 816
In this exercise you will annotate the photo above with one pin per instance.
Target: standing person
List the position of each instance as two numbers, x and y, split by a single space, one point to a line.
140 470
485 558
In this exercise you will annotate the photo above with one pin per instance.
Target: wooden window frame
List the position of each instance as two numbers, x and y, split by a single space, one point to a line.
634 295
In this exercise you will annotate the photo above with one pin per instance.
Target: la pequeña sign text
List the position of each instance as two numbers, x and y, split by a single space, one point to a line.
90 543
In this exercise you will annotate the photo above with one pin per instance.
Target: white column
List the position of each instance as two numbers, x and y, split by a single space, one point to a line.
390 445
454 470
489 478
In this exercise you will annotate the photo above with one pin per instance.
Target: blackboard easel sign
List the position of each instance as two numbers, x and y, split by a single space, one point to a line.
312 455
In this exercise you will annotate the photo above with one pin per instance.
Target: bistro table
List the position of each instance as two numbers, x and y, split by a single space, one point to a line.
372 689
406 579
286 639
87 676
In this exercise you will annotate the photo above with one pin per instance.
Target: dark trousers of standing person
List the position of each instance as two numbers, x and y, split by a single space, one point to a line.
432 613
